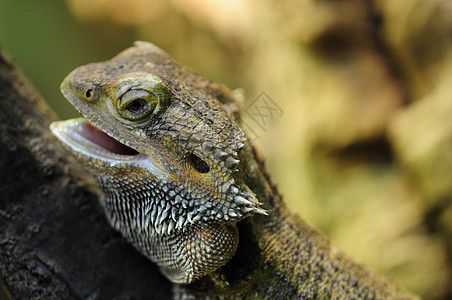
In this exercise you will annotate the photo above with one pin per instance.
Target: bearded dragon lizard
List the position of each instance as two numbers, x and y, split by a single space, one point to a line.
178 178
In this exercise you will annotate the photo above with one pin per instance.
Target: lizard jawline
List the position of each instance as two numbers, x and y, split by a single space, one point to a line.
81 136
100 138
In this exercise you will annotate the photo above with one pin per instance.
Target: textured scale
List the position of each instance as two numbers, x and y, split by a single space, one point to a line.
173 188
162 144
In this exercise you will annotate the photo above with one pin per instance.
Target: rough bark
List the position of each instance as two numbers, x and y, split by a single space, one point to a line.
54 240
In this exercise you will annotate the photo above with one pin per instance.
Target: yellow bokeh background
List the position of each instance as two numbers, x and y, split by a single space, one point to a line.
360 143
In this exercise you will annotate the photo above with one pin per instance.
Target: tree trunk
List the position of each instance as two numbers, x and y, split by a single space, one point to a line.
54 240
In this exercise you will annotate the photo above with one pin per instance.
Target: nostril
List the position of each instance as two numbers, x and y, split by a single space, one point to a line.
199 165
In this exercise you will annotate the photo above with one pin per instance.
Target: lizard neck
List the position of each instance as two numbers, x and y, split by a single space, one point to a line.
282 256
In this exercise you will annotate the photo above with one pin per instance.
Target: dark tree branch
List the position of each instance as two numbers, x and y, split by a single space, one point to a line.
54 240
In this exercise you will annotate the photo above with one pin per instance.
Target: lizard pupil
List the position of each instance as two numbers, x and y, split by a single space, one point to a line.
136 105
88 93
199 165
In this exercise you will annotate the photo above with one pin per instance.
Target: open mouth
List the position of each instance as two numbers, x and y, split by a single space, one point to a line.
87 141
97 136
83 137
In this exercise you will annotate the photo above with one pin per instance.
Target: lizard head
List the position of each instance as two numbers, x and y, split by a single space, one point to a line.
164 152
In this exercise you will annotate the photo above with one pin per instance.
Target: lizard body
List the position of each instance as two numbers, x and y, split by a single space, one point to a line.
177 196
177 175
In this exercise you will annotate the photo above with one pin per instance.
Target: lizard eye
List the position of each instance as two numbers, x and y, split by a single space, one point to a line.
137 105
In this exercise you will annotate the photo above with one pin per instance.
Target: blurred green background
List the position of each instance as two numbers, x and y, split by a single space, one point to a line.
360 141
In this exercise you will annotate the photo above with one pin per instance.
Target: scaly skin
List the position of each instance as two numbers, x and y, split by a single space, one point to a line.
178 200
183 178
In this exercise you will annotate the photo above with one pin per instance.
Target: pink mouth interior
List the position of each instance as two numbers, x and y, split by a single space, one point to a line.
98 137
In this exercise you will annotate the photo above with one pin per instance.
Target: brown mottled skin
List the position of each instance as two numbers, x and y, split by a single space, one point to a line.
181 182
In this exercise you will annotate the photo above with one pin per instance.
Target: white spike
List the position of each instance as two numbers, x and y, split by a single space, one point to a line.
164 215
164 228
158 229
234 190
208 146
220 154
261 211
147 210
180 222
241 200
231 162
232 214
153 215
225 187
159 211
174 214
170 227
